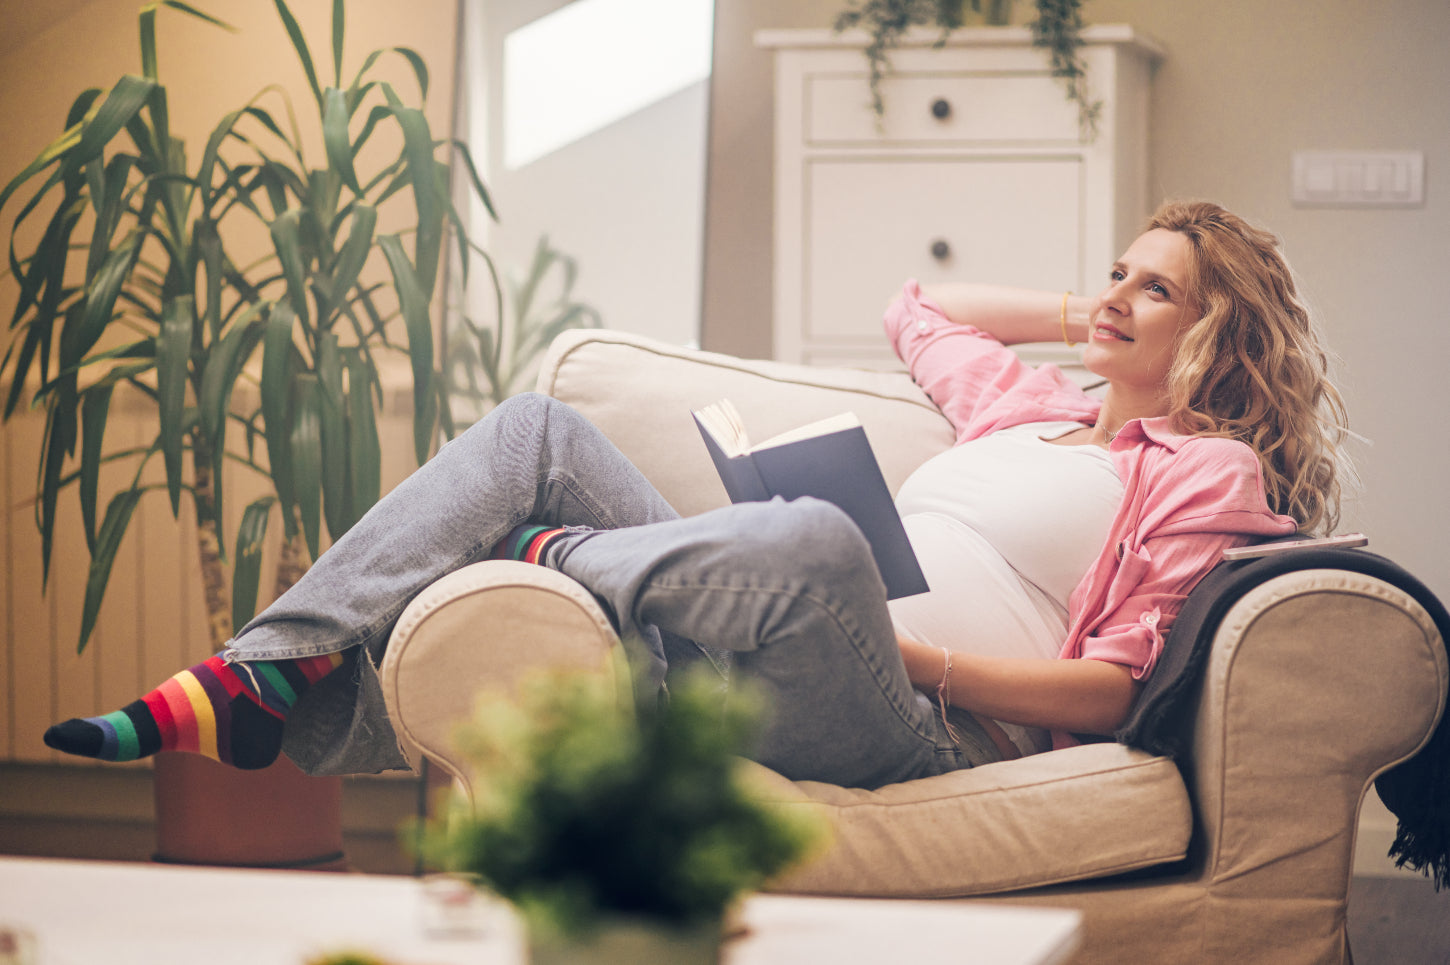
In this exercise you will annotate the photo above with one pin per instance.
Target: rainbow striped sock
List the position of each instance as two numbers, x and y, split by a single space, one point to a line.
232 713
527 542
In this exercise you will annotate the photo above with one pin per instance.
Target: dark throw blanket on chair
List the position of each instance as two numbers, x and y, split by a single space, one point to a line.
1417 790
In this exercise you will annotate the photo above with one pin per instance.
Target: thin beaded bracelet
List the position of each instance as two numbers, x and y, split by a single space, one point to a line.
944 695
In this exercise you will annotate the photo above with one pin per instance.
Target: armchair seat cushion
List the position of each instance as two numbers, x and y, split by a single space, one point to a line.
1081 812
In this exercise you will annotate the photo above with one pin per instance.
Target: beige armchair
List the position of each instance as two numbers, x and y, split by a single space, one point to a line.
1316 681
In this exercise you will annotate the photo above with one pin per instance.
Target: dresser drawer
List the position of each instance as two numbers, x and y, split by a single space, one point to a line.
962 107
871 224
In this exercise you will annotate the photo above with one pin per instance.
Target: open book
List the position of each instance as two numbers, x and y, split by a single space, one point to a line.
831 460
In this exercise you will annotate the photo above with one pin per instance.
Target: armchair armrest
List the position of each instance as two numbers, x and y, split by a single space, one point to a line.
481 630
1164 721
1317 681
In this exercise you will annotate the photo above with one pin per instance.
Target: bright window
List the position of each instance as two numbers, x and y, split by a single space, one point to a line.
593 62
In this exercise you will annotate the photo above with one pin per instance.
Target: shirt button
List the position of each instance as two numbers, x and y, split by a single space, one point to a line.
921 325
1151 619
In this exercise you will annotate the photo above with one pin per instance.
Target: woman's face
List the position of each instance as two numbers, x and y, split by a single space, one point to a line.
1139 315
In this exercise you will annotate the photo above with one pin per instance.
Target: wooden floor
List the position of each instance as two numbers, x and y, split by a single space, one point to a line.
1399 921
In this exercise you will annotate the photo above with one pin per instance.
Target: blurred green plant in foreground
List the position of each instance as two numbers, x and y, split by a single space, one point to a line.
586 812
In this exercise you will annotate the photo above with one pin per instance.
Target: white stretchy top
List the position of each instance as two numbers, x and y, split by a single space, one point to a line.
1005 527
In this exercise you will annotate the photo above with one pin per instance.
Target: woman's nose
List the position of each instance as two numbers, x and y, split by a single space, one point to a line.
1115 297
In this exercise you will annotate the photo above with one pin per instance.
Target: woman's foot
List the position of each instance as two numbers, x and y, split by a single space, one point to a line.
232 713
527 543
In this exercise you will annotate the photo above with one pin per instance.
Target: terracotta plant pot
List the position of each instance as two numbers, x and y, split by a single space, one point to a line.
211 814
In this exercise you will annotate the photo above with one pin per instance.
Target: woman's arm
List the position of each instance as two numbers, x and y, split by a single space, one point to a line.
1012 315
1083 696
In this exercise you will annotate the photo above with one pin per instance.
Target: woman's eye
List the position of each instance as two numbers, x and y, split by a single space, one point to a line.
1158 289
1116 274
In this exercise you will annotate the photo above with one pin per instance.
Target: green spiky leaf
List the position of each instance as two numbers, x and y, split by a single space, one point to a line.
95 408
305 442
414 305
173 351
277 365
108 543
247 565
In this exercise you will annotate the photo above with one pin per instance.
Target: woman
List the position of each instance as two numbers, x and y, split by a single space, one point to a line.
1061 526
1217 403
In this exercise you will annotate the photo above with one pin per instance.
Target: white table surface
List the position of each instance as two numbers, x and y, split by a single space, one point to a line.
87 913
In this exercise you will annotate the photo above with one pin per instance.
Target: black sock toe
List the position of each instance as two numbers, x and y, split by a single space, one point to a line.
75 736
256 736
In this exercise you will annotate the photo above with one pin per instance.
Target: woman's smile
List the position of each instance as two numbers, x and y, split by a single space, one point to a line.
1103 329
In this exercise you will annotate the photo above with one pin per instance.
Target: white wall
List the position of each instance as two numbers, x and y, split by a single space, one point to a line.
737 284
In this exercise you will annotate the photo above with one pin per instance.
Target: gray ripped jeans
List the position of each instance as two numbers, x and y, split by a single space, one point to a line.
787 588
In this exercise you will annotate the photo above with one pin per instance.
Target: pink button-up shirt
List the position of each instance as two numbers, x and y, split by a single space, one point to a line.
1186 498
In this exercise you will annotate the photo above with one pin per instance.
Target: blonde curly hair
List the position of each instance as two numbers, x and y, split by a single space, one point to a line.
1253 367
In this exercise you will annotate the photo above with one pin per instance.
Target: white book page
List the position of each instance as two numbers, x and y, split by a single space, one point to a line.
722 421
822 427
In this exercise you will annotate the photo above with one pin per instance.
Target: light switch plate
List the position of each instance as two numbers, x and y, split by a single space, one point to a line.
1359 178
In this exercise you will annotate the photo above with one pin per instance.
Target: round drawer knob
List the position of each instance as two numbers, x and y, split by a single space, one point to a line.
941 108
940 250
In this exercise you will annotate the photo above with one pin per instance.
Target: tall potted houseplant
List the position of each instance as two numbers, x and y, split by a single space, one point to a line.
141 277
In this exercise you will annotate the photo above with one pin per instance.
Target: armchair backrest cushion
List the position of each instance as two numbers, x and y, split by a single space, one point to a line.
640 392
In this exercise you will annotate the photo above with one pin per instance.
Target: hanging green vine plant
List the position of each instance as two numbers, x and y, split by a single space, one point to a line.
1057 30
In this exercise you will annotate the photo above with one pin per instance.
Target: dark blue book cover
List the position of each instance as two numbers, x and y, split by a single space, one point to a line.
837 466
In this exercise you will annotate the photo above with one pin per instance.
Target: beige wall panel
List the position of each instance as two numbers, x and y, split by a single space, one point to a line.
8 522
196 632
171 569
30 695
12 517
75 674
113 652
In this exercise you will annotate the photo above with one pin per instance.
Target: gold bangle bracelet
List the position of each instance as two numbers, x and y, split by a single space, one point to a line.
1062 320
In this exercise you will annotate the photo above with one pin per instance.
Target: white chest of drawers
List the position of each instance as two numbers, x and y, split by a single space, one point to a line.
978 171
